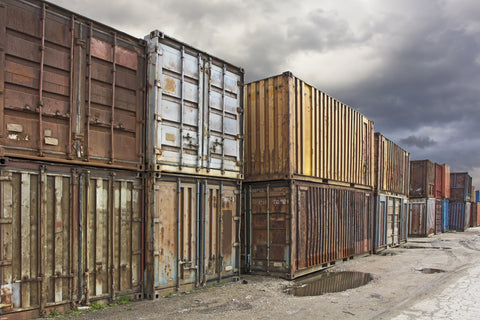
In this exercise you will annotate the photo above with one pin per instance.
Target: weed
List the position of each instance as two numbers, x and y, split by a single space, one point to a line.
124 299
97 306
55 314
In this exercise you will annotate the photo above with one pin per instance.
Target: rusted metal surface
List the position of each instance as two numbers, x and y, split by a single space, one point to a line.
390 221
71 89
195 111
446 181
55 249
392 167
298 132
422 179
439 182
460 186
473 215
421 217
192 232
438 216
297 227
459 216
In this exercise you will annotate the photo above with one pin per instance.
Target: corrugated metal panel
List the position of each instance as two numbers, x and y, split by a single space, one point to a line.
438 181
477 196
460 186
68 235
445 214
195 111
446 181
422 179
392 166
390 221
297 131
473 215
297 227
72 89
421 217
459 215
438 216
192 232
478 212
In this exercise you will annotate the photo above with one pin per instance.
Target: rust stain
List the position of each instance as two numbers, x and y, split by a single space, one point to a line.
170 85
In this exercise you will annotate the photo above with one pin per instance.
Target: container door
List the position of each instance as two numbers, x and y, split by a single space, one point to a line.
175 230
396 221
438 216
391 221
417 219
36 239
381 223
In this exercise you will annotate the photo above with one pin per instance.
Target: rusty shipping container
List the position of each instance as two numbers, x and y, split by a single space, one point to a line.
438 216
421 217
71 89
392 167
422 179
191 234
295 227
473 215
459 215
445 181
195 111
391 221
460 186
298 132
439 182
69 235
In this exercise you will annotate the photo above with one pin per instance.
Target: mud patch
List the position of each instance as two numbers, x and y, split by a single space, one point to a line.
430 270
421 247
325 282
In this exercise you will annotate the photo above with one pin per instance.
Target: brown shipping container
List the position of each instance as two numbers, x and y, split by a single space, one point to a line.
473 214
298 132
422 179
192 229
438 216
71 89
68 235
446 181
392 167
460 187
422 217
438 181
194 111
296 227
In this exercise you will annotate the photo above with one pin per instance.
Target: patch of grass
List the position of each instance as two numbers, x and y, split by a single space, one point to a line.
55 314
124 299
74 313
97 306
168 295
129 308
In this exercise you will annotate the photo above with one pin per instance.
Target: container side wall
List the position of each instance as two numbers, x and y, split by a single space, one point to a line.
438 181
459 215
460 186
446 181
421 217
438 216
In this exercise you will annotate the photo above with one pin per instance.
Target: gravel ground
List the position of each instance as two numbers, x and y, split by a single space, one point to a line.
399 290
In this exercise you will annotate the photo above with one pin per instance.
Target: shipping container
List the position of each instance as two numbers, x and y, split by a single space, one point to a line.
422 179
71 89
473 215
446 181
439 183
477 204
298 132
392 167
421 217
195 111
391 221
192 230
473 195
459 216
438 216
295 227
460 186
445 211
69 235
477 196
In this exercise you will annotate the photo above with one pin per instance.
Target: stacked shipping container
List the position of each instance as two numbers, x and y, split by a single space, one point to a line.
309 178
460 197
72 147
194 156
392 174
445 196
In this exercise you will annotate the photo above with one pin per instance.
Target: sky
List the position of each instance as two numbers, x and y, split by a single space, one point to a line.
413 67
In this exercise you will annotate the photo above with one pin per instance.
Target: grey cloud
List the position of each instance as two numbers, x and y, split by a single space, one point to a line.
419 142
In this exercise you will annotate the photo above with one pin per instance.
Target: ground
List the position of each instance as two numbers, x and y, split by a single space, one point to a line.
399 289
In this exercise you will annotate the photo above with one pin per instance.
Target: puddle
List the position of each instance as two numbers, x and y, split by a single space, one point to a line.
387 253
326 282
431 270
420 247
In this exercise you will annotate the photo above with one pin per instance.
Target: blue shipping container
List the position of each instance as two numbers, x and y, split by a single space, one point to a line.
459 216
477 195
444 214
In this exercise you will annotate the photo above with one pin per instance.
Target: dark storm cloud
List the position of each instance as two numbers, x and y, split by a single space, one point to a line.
419 142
